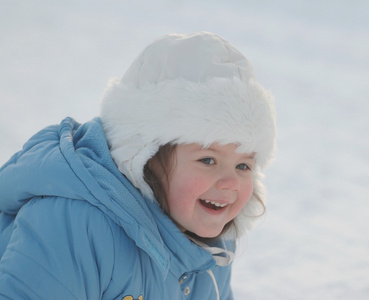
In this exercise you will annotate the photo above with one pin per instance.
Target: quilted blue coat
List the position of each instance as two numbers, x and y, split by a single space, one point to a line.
73 227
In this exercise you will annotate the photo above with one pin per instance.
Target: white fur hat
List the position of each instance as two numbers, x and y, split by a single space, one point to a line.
183 89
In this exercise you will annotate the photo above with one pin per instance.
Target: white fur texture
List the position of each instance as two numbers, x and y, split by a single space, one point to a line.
140 117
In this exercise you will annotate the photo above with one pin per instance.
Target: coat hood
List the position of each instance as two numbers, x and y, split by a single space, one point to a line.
73 161
183 89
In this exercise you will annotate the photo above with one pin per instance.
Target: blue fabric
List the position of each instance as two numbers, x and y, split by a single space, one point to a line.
73 227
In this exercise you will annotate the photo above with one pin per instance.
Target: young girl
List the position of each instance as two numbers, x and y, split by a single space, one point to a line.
146 201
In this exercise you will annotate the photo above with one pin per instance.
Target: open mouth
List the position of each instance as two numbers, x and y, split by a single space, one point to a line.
212 205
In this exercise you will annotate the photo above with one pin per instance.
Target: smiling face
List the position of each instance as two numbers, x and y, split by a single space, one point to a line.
207 188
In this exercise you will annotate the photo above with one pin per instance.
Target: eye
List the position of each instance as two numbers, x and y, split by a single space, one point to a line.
207 161
242 167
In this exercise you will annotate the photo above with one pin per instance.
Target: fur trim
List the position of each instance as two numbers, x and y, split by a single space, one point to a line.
138 121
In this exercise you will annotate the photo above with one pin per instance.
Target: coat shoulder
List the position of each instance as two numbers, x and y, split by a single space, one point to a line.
69 244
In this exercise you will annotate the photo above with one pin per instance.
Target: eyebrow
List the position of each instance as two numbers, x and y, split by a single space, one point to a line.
248 156
244 155
252 155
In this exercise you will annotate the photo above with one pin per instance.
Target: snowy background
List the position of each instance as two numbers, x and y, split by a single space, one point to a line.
56 58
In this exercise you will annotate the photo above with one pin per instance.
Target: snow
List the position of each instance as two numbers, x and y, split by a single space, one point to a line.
56 59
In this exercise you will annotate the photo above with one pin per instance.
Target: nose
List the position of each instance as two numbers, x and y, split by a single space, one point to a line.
228 181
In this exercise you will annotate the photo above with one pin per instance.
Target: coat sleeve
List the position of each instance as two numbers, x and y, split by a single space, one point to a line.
59 249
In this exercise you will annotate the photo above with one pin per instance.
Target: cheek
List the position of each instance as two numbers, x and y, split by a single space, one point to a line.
243 197
183 193
178 193
187 186
247 191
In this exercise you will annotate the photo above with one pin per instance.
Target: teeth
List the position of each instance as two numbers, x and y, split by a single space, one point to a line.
216 203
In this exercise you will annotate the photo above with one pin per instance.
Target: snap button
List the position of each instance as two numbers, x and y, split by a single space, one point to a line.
186 291
182 279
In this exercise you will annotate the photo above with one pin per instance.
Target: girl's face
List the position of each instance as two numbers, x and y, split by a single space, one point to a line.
208 187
